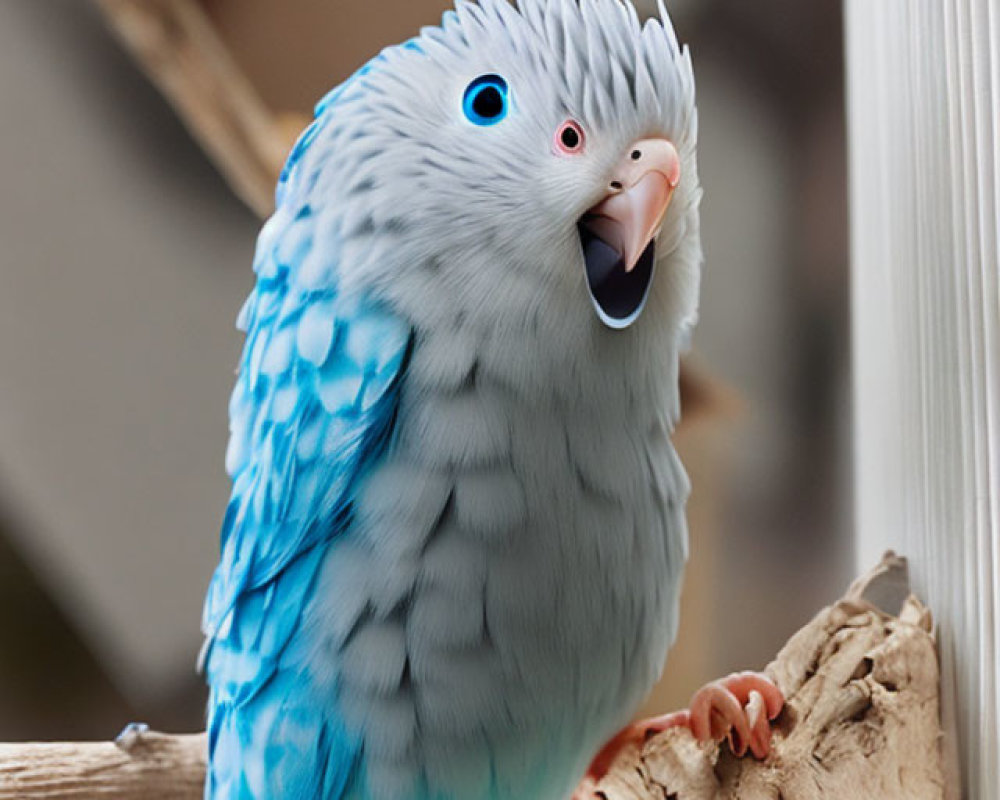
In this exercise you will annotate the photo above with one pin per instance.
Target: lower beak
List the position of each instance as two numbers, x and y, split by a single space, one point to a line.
619 233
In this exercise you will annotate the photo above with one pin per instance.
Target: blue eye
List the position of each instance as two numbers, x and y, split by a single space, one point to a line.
486 100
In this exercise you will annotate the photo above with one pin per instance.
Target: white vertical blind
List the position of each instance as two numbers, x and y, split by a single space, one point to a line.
924 107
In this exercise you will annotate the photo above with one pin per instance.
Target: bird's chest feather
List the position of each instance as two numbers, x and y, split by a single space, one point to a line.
511 583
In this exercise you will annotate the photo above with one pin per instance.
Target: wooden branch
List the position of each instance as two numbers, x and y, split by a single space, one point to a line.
861 721
180 50
138 766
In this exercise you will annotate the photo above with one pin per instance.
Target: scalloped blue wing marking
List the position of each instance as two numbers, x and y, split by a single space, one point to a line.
314 405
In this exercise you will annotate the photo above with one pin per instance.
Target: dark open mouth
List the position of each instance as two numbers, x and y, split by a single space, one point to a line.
618 296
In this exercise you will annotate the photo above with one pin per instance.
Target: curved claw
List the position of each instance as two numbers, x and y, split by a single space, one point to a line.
742 684
739 708
762 701
716 711
760 728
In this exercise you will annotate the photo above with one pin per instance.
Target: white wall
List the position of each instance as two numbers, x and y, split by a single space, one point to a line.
924 87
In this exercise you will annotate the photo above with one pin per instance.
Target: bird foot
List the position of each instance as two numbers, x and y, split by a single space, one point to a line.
738 708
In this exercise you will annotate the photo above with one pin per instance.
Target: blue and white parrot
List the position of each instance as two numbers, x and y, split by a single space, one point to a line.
452 556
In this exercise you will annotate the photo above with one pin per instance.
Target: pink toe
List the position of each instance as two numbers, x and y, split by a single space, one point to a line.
742 683
675 719
715 711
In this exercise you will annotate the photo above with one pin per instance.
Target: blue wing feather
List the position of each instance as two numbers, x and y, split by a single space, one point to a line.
313 407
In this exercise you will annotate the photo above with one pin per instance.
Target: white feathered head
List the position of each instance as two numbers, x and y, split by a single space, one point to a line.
518 167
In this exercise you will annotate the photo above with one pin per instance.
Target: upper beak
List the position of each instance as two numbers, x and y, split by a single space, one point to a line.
631 216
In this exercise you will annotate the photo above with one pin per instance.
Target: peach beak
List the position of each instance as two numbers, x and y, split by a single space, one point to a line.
619 233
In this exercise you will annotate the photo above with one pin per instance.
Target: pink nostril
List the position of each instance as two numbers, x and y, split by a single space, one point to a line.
642 157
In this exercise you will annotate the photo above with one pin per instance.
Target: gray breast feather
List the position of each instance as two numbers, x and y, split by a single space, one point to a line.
510 585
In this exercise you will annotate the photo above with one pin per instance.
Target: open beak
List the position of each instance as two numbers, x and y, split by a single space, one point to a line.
618 235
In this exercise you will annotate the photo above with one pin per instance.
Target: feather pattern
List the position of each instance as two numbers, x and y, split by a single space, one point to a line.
312 409
452 556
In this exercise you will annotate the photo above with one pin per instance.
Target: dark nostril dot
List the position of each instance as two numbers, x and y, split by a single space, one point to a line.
636 155
616 184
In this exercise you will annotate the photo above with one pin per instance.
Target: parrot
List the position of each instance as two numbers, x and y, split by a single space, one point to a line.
452 555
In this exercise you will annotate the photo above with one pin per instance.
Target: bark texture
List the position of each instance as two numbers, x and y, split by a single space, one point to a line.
861 721
137 766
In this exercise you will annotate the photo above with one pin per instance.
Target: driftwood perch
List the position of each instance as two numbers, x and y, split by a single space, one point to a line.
861 722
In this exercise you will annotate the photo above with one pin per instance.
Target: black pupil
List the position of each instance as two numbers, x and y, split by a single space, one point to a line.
570 137
488 102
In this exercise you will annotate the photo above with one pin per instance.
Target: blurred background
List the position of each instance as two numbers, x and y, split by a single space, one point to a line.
139 141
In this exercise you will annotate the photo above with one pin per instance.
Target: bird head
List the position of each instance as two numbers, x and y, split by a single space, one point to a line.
518 164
